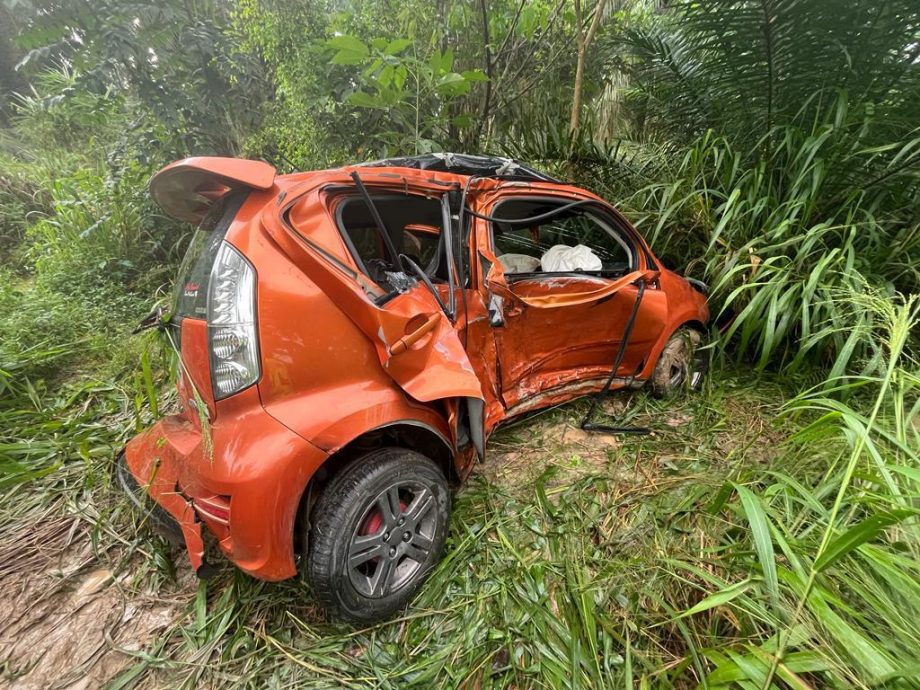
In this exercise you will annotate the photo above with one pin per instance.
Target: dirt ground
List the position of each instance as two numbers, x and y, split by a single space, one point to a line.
67 623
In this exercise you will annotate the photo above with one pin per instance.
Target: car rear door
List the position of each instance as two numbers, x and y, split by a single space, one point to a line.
415 341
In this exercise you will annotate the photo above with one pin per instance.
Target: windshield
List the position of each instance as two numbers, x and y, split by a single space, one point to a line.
191 293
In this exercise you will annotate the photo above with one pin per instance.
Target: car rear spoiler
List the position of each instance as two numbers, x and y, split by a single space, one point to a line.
186 189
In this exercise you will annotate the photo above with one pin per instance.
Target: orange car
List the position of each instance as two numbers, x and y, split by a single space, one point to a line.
349 339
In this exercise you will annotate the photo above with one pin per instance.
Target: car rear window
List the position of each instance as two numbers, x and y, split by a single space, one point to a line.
191 296
406 217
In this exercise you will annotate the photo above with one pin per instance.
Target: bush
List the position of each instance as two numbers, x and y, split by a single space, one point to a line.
23 199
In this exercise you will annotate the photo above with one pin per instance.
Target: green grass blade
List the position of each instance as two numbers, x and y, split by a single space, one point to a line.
760 533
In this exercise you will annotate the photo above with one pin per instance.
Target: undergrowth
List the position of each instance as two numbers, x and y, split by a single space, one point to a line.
765 536
669 561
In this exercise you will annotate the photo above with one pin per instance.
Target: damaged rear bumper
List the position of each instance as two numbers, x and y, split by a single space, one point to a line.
241 481
164 523
170 513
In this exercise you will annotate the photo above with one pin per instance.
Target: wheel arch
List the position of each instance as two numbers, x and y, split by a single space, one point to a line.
695 324
685 320
406 433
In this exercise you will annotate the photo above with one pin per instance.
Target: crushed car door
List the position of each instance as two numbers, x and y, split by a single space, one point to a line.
562 327
415 341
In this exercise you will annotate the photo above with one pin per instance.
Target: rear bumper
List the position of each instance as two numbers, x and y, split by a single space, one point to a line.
164 523
254 471
170 513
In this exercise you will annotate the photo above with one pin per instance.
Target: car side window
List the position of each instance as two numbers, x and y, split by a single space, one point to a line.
580 240
413 224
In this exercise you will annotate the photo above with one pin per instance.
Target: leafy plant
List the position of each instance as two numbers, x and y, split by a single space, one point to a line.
414 92
779 239
746 69
175 60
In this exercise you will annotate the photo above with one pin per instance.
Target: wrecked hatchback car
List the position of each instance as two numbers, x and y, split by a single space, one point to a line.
348 339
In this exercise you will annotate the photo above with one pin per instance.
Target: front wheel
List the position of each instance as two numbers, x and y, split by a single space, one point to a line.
377 532
682 365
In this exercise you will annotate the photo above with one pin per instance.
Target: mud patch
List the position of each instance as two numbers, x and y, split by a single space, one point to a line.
69 623
515 460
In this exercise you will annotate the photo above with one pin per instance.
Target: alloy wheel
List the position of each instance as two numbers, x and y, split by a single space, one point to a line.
392 540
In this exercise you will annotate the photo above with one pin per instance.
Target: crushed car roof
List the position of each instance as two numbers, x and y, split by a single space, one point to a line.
465 164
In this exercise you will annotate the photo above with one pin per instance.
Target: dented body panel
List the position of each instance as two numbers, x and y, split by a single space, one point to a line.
342 360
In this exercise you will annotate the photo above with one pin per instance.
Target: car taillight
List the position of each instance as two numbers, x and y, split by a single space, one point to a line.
232 335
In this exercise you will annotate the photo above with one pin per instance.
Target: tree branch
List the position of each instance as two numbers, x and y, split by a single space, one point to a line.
484 115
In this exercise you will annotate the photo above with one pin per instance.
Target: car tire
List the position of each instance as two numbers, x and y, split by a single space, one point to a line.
378 529
682 365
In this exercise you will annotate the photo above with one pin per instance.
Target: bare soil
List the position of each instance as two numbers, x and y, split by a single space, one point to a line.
67 622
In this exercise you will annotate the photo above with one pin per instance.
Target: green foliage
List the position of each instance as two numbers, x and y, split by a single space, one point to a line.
790 168
88 252
104 233
745 68
370 80
414 93
59 113
176 60
782 239
849 544
22 196
766 536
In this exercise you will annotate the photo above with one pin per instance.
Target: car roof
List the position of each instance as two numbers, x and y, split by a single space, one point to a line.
465 164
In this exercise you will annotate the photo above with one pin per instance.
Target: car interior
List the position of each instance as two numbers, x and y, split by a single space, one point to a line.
577 241
585 242
413 224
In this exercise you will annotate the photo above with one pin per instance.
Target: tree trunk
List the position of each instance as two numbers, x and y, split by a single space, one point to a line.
11 81
582 43
487 49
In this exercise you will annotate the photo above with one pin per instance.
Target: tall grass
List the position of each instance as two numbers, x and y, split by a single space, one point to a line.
826 578
780 238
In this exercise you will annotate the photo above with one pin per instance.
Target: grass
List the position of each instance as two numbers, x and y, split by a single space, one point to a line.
667 561
765 536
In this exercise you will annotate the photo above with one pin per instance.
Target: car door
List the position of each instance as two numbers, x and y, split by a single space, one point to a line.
561 292
415 341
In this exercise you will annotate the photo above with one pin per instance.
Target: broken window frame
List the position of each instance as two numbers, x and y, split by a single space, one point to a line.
345 194
624 235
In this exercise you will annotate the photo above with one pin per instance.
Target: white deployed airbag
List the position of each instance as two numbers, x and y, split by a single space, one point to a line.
519 263
561 258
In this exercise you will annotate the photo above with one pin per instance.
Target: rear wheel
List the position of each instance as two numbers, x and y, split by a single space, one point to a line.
378 529
682 365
